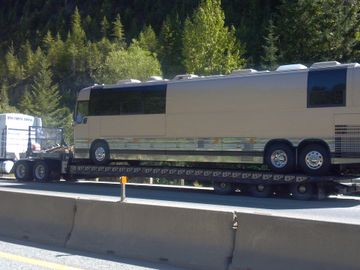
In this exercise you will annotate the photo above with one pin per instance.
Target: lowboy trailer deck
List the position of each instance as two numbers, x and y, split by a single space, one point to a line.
46 166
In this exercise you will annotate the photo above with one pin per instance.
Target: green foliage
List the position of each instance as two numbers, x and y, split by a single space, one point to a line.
270 57
14 70
210 46
318 30
135 63
32 61
105 27
43 100
77 36
170 46
4 99
147 40
118 32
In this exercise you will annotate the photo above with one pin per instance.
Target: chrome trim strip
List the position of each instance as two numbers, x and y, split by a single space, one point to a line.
189 158
210 144
345 160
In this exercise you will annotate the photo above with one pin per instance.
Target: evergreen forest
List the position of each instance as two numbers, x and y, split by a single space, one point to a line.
51 49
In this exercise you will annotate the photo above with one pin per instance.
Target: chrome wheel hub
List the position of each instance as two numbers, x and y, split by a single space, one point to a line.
279 159
314 160
100 153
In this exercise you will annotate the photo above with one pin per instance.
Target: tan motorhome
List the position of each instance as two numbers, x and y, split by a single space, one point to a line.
294 117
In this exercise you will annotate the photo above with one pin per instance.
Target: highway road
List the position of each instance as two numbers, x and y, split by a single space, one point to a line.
16 255
342 209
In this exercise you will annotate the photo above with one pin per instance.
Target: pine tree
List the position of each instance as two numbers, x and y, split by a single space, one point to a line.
77 35
311 31
105 27
147 40
170 46
55 50
209 46
14 70
32 62
118 32
43 99
4 99
270 57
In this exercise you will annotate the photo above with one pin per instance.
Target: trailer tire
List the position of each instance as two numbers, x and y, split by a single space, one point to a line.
260 190
302 191
280 158
314 159
23 170
42 171
100 152
223 188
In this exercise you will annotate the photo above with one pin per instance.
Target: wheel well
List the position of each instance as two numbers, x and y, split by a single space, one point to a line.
313 141
98 140
275 141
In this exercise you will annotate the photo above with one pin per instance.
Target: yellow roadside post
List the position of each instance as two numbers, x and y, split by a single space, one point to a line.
123 180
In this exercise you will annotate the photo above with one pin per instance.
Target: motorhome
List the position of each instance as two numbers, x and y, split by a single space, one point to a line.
293 118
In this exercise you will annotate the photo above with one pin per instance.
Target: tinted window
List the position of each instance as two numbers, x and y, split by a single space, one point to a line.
128 100
82 110
327 88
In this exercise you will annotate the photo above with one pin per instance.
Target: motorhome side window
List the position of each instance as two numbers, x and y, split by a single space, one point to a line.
82 111
326 88
128 100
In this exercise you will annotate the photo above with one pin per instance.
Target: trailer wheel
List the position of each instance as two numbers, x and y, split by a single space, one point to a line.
100 153
23 170
260 190
42 171
302 191
223 188
280 158
314 159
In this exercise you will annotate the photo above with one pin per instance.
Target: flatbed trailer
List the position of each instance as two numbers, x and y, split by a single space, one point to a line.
44 167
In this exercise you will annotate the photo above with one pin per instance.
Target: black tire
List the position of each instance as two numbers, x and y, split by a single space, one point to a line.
314 159
100 153
23 170
280 158
223 188
302 191
42 171
260 190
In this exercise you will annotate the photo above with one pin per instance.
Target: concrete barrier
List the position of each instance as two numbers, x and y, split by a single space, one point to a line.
38 218
192 238
268 242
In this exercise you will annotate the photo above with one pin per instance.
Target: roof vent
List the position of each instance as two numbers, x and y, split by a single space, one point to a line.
243 71
264 71
185 77
128 81
155 79
291 67
325 64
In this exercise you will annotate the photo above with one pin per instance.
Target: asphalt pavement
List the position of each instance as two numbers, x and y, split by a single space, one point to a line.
16 255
